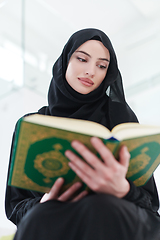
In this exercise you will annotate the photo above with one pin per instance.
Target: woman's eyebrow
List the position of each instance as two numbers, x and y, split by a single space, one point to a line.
84 53
103 59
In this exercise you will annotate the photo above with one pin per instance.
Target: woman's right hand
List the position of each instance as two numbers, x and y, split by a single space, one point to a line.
67 195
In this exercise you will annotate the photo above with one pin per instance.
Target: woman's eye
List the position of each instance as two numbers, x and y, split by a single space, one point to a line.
102 66
81 59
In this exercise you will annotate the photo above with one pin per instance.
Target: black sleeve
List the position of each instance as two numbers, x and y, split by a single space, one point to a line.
145 196
18 201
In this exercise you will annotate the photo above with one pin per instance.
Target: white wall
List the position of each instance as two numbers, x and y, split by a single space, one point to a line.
12 107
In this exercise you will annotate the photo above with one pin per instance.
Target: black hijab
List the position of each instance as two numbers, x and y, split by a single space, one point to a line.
105 105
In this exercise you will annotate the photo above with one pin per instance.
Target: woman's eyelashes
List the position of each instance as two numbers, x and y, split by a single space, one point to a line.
102 66
98 65
81 59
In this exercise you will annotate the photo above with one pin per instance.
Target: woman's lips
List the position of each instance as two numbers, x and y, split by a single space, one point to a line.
86 81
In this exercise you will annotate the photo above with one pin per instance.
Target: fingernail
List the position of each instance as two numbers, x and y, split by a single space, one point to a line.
126 149
59 179
85 193
94 138
74 143
68 154
78 184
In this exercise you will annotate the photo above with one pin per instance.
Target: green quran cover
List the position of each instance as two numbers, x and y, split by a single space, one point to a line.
41 141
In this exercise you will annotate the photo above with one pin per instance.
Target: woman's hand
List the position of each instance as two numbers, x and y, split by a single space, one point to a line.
101 177
67 195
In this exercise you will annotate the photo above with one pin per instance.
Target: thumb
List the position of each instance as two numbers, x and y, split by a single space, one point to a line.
124 156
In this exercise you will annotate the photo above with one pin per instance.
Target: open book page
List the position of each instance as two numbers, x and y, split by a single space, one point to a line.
69 124
134 130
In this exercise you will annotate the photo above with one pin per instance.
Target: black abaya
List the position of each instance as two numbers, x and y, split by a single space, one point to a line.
97 216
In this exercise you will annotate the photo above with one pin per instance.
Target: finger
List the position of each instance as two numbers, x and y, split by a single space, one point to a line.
90 180
90 157
69 193
104 152
54 192
124 156
79 163
83 171
80 196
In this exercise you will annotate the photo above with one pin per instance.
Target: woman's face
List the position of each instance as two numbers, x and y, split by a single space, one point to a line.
88 66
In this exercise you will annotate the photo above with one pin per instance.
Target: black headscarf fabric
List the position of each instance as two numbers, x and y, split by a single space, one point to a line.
109 108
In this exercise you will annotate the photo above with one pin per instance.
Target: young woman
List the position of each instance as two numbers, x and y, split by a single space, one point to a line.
87 84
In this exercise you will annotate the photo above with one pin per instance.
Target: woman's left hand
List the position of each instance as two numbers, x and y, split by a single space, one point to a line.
101 177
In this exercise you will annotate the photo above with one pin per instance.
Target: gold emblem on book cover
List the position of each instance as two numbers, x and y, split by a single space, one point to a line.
51 164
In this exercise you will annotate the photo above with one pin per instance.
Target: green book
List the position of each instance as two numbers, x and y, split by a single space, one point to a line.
40 143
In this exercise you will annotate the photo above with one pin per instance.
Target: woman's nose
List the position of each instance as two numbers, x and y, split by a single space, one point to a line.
90 70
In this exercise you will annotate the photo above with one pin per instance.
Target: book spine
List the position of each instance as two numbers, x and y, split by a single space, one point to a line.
14 149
